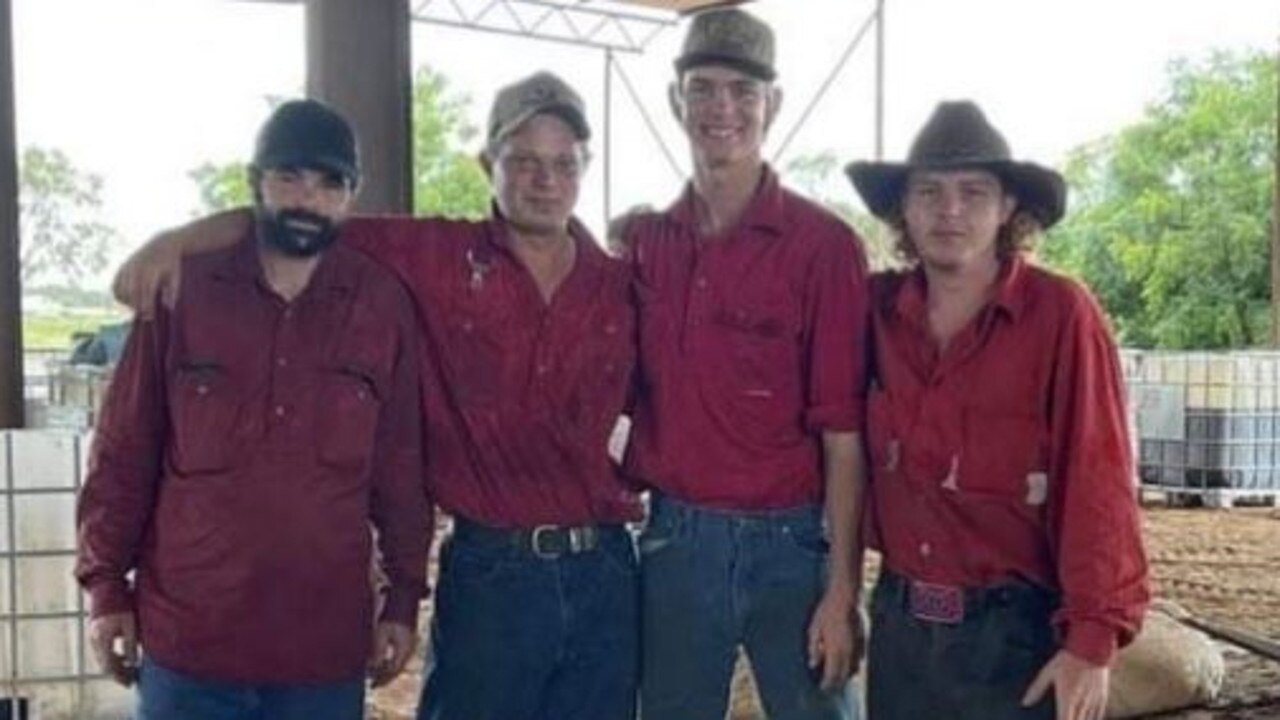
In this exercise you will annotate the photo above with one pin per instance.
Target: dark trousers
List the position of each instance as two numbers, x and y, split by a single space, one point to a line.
164 694
976 669
521 637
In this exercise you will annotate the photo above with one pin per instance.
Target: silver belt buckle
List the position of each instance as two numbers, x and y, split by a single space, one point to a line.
535 542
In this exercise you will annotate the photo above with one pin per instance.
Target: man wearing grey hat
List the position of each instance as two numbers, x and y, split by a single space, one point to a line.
751 307
528 335
1001 491
246 446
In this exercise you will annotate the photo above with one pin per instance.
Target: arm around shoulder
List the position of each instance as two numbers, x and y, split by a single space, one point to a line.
154 270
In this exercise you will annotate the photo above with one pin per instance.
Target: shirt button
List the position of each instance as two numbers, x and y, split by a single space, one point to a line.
925 549
288 313
701 282
282 362
202 389
279 411
543 369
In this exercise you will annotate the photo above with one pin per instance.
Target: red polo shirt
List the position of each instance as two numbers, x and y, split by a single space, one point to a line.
751 345
520 395
1007 455
245 446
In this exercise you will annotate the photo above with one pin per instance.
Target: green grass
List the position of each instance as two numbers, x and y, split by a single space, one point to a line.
53 331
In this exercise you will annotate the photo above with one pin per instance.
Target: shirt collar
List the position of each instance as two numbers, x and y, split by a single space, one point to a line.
766 211
1009 294
243 265
589 254
1011 287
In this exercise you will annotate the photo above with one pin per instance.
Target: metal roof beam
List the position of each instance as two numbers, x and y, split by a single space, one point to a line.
604 25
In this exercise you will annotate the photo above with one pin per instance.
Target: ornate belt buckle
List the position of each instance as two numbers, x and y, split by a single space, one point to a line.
936 603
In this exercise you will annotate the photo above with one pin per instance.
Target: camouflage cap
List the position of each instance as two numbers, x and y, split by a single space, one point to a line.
541 92
729 36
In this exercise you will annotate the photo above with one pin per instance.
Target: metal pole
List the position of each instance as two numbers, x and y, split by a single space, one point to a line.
879 79
11 383
358 60
608 135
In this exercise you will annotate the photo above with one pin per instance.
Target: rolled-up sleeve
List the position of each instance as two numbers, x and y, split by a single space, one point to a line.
836 307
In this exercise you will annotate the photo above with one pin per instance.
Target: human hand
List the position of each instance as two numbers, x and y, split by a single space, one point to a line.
393 643
835 638
1080 687
114 640
155 268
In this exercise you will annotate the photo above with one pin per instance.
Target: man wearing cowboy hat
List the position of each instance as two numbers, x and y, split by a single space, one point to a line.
751 315
1001 493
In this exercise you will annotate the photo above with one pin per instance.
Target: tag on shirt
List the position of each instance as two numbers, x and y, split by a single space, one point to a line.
618 437
892 452
1037 488
949 482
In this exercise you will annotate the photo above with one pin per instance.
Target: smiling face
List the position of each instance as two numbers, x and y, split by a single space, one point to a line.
536 171
725 113
298 209
953 217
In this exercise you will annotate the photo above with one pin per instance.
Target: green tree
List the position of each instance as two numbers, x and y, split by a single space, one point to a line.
223 186
63 238
447 180
1170 222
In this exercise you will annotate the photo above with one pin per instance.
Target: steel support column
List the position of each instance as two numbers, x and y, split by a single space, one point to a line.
11 382
358 60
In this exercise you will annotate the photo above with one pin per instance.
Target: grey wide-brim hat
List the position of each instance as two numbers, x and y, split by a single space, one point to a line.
958 136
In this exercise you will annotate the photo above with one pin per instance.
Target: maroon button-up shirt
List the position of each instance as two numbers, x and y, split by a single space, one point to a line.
244 448
520 395
751 345
1006 456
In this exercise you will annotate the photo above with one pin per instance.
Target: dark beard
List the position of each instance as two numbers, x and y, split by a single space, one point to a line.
296 233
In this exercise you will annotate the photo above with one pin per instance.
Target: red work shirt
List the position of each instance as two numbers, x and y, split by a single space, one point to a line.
751 345
520 394
245 446
1006 456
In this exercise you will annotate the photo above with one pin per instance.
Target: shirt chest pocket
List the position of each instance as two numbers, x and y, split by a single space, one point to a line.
205 411
347 421
475 354
762 346
1004 456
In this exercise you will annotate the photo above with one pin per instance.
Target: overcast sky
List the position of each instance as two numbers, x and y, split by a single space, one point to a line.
142 91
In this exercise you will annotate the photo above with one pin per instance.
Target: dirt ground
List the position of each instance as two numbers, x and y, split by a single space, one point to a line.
1222 565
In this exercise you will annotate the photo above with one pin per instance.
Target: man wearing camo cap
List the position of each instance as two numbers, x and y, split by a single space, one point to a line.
527 358
751 318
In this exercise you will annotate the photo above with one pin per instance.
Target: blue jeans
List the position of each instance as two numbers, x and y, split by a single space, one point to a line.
715 580
519 637
164 694
976 669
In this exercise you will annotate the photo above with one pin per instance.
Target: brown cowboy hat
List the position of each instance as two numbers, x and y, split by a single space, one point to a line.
958 136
